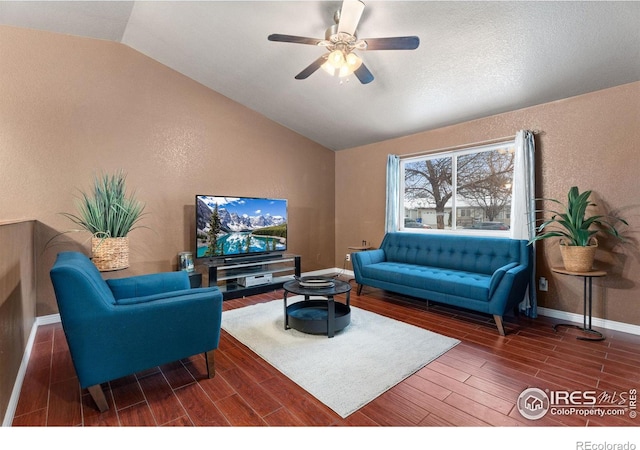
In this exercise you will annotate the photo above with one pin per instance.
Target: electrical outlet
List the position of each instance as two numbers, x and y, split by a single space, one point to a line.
348 257
543 284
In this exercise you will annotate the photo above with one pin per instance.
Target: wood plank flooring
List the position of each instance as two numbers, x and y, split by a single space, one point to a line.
477 383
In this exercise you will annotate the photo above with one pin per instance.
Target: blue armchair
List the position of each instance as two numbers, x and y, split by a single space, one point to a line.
122 326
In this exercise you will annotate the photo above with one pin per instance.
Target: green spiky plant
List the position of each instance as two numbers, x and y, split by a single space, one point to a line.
572 224
108 211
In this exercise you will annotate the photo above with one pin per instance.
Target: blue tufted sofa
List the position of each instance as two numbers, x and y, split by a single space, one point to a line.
484 274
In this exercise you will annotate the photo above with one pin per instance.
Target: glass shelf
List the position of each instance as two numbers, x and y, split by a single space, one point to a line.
242 278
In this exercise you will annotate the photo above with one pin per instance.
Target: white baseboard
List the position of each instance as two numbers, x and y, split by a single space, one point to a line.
48 320
24 363
330 272
17 386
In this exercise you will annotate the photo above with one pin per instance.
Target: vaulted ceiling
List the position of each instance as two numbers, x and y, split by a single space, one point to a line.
475 58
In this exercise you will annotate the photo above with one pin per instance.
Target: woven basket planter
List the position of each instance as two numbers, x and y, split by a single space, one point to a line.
110 253
579 259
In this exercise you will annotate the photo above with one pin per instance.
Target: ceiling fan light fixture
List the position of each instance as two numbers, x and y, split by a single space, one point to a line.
340 64
337 58
334 62
353 61
329 68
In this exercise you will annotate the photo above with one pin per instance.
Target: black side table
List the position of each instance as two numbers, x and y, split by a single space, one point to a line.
587 298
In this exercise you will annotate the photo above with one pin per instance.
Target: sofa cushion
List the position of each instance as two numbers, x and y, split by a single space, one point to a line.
447 281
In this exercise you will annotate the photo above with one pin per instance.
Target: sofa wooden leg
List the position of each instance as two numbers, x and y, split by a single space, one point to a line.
499 324
97 394
209 357
359 289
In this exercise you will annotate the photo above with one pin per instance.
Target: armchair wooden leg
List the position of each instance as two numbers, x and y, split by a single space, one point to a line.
499 324
359 289
97 394
209 357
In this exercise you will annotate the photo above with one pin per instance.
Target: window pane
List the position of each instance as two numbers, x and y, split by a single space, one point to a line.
459 191
427 193
483 189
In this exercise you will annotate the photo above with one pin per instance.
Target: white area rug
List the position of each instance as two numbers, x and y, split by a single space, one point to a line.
371 355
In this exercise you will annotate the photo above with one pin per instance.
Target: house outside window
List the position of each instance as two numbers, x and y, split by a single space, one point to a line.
463 191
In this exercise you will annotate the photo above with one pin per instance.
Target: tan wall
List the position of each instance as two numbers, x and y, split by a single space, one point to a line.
17 301
72 107
591 141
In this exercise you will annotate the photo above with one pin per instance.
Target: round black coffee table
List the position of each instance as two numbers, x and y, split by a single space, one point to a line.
317 316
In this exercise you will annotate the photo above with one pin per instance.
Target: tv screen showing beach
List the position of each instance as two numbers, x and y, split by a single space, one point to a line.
229 226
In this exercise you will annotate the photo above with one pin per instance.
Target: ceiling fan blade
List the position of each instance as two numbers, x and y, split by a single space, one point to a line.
393 43
294 39
350 14
363 74
312 67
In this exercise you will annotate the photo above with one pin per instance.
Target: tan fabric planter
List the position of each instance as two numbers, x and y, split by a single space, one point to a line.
579 259
110 253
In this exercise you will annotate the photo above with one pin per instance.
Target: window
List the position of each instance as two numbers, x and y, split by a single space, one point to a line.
467 191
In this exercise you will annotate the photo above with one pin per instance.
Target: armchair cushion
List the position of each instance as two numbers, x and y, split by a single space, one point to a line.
185 294
145 285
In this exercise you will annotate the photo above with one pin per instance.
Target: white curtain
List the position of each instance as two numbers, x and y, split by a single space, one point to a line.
393 193
523 208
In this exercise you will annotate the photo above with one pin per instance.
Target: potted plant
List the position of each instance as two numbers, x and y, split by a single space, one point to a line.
109 214
577 230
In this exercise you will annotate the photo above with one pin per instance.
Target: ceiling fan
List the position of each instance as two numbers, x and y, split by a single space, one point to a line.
341 41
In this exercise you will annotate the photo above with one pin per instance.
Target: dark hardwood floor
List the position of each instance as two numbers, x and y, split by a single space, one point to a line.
476 383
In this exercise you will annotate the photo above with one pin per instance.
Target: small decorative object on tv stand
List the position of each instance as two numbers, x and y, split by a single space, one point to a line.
243 277
185 261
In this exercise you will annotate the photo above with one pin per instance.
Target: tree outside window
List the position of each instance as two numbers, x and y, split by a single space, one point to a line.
462 190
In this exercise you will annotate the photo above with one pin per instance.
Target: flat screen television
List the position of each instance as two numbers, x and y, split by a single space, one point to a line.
229 227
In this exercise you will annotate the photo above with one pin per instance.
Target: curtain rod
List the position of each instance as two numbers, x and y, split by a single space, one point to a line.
463 146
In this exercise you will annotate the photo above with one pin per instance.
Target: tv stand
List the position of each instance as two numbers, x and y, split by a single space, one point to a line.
240 277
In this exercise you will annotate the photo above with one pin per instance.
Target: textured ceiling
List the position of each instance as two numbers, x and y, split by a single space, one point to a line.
475 58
